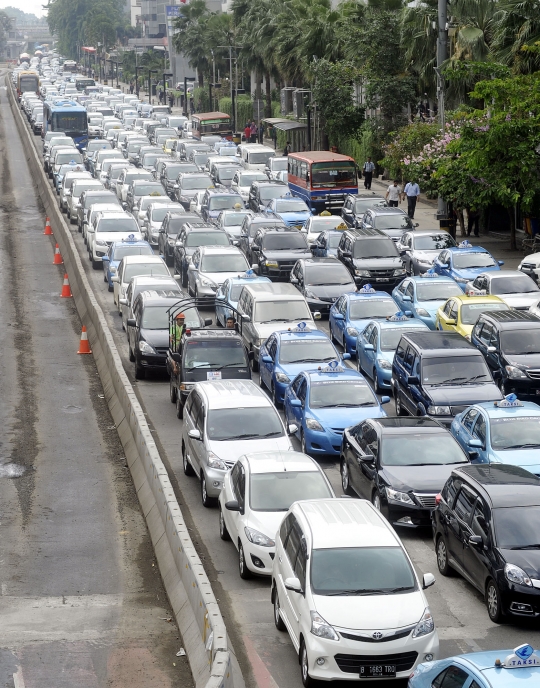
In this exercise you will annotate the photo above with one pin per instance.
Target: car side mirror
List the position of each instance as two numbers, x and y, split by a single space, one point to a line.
500 262
296 403
368 347
267 359
367 458
451 322
413 380
194 434
406 297
292 428
475 443
339 316
105 259
130 322
292 584
428 579
385 400
245 317
294 280
191 267
443 265
123 302
476 541
491 349
232 505
346 356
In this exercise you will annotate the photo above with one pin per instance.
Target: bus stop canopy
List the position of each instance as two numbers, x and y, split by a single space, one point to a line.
284 124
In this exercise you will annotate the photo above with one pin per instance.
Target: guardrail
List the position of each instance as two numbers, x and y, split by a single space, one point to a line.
195 608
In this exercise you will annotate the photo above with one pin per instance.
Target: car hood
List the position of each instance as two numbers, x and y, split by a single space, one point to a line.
430 306
526 559
528 458
219 277
264 330
159 338
331 290
456 395
378 263
116 236
372 613
266 522
527 360
230 451
301 217
345 417
470 273
524 300
189 193
427 256
417 478
281 256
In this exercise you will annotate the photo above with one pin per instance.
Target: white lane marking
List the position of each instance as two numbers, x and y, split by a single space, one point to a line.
4 589
18 678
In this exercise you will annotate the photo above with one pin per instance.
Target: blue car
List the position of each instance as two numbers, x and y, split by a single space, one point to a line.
293 211
327 243
422 296
229 293
351 313
286 353
121 249
322 403
377 344
464 262
70 167
518 668
506 431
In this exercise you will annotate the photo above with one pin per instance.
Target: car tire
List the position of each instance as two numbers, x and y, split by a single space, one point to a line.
400 411
278 621
502 387
223 532
131 354
96 264
243 570
494 602
441 552
179 406
140 372
110 288
275 400
303 447
254 364
307 681
173 392
376 500
168 260
345 477
207 501
376 385
188 468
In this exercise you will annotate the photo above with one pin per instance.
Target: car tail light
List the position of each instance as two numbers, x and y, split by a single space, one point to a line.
438 499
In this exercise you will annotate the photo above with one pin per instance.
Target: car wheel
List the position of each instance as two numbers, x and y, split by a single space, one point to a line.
179 406
140 373
303 442
172 391
345 477
332 337
278 621
184 279
206 500
245 573
307 681
400 411
105 276
223 532
493 602
442 558
188 468
378 389
131 354
96 264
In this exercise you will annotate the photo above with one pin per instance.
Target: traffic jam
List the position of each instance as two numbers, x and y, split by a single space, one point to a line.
297 318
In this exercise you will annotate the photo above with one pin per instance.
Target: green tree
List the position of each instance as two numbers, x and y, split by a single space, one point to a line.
517 23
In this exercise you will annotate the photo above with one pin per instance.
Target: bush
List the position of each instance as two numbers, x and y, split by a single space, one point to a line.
244 110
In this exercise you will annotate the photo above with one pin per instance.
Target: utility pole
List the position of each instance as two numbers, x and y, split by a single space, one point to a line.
233 86
442 56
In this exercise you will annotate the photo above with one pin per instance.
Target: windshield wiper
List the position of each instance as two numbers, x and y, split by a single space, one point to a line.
527 445
249 435
535 546
204 364
450 381
371 591
262 322
365 403
230 365
311 360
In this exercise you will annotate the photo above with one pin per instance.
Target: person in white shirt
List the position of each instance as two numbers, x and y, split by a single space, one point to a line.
412 191
368 169
393 194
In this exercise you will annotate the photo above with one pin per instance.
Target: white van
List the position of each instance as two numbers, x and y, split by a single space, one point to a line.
255 156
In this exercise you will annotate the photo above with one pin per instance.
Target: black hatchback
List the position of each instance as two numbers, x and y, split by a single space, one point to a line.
486 526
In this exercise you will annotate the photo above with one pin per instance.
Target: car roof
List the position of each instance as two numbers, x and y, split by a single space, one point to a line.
435 342
353 296
494 480
513 319
346 523
395 426
268 291
414 323
469 249
427 232
347 375
328 260
280 462
137 242
481 298
150 258
221 249
158 297
114 215
526 408
233 394
387 211
213 334
418 279
289 334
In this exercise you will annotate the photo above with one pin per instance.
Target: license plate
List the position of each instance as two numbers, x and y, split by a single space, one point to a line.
378 671
381 279
214 375
537 392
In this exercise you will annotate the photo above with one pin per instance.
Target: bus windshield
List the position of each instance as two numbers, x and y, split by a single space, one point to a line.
333 173
69 121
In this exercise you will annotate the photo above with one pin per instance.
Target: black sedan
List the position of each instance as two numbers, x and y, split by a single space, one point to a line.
322 281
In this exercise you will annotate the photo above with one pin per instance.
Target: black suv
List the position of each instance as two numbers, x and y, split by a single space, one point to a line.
510 342
371 258
439 374
321 281
191 237
400 465
251 224
354 207
171 226
485 527
168 174
275 250
261 193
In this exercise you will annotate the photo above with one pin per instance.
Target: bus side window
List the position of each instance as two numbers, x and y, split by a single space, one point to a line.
303 171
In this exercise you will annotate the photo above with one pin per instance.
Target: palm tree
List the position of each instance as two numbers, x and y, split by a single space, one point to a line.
517 24
191 37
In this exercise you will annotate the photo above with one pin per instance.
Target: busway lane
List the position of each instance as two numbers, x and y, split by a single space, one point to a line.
458 609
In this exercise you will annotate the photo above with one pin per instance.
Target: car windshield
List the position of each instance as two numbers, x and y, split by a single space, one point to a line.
361 571
223 202
144 269
263 223
282 311
211 238
393 221
372 309
517 284
363 204
79 187
390 336
473 260
455 370
154 189
193 183
187 167
433 242
375 248
247 178
284 241
320 275
517 527
306 350
156 318
471 312
225 174
67 157
150 160
277 491
257 423
521 342
105 198
287 206
319 224
97 145
158 214
259 158
200 158
421 449
123 251
341 393
268 193
233 219
126 224
515 432
329 173
436 291
226 262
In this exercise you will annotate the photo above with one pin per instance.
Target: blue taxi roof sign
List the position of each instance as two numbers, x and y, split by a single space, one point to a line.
130 237
397 317
465 244
509 401
248 274
332 367
523 656
430 274
301 327
366 289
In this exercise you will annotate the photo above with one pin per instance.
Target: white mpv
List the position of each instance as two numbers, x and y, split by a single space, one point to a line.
344 588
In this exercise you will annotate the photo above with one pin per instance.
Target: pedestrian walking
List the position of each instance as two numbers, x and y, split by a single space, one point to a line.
473 219
412 191
253 132
393 194
131 87
171 100
261 132
368 170
287 149
247 132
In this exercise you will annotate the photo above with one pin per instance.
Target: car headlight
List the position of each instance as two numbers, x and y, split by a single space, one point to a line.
271 264
399 271
320 628
397 496
461 280
516 575
206 282
352 332
313 424
362 273
384 364
422 312
100 242
514 373
145 348
215 462
439 410
425 626
258 538
311 295
284 379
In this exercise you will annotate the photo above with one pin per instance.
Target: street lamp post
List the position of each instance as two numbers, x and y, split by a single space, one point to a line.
442 54
150 72
137 80
165 76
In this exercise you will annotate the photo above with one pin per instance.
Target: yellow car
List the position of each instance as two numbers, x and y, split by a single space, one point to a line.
168 146
460 313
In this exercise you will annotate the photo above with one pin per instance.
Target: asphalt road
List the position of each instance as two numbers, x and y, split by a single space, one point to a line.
81 600
265 654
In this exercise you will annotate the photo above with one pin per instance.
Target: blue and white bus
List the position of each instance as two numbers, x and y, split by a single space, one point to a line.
68 117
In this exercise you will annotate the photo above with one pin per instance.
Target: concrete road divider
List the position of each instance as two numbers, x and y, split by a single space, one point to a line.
196 610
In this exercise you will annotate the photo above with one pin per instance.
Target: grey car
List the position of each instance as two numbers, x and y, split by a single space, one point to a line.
391 221
355 207
515 288
419 248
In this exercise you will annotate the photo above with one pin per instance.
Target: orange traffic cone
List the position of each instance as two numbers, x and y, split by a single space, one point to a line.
84 346
66 289
57 256
48 230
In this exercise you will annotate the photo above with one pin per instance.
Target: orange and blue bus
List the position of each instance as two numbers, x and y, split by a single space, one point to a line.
208 123
322 178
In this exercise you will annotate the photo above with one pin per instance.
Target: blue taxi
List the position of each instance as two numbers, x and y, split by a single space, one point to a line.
351 313
377 344
422 296
323 402
228 294
286 353
464 262
293 211
120 249
506 431
518 668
